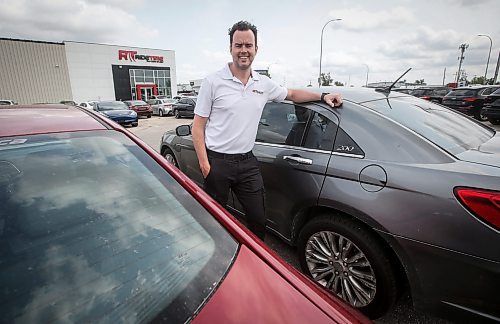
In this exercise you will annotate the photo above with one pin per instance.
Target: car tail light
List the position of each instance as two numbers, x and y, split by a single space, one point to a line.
484 204
470 99
426 97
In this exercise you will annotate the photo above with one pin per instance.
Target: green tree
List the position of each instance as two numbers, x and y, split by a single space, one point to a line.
421 82
326 79
338 84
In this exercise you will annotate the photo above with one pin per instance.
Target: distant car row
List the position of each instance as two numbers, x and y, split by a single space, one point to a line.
477 101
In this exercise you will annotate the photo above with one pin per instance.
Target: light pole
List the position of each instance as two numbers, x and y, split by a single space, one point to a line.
367 70
489 53
268 67
321 48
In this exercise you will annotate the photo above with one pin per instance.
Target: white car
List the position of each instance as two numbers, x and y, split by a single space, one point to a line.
88 104
162 107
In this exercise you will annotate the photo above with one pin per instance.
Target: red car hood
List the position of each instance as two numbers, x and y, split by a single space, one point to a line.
253 292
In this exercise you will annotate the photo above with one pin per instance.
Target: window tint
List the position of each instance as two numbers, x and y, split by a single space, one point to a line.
283 123
84 239
463 92
444 127
321 133
488 91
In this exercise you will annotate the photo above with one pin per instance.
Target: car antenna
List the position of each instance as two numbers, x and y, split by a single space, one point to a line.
388 89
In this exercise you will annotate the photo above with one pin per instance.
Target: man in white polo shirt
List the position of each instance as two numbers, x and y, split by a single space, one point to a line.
227 114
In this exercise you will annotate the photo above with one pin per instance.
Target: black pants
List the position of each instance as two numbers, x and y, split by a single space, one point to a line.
241 174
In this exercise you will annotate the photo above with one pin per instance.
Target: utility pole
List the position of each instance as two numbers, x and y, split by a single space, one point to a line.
444 75
462 48
496 70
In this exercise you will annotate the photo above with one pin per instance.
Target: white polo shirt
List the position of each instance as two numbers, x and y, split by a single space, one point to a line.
234 110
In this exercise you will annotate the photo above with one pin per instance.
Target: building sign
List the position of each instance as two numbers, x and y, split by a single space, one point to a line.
133 56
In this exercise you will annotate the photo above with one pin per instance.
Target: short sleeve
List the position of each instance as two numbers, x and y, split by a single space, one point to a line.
277 93
204 100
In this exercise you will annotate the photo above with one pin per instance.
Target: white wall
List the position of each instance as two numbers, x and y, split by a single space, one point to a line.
90 70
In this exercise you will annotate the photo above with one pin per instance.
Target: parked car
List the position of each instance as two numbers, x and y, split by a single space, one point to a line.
403 90
184 107
88 104
97 227
7 102
469 100
140 107
118 112
68 102
491 109
385 190
162 107
434 94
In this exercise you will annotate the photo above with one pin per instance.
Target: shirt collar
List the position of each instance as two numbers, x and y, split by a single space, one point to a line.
228 75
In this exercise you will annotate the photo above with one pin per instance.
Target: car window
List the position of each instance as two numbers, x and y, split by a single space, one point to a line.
283 123
442 126
462 92
344 144
84 239
112 105
488 91
441 92
321 133
183 101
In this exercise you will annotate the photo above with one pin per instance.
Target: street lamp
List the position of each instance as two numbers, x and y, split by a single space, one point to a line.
489 53
268 67
367 70
321 48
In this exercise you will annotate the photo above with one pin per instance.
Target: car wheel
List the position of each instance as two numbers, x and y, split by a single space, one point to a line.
170 157
480 116
177 114
347 260
149 116
494 121
160 113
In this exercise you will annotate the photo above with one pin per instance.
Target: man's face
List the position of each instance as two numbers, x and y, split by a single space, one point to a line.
243 49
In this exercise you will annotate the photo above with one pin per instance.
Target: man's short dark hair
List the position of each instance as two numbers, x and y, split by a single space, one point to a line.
242 26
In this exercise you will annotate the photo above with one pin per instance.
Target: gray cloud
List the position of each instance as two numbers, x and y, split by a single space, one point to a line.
80 20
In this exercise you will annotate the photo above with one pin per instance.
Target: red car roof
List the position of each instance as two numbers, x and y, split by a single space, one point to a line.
39 119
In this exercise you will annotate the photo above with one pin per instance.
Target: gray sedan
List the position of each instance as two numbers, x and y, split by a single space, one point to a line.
387 191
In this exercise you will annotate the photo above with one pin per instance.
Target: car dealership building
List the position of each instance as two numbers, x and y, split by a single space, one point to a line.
39 72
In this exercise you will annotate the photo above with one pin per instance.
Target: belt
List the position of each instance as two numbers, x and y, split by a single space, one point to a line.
230 157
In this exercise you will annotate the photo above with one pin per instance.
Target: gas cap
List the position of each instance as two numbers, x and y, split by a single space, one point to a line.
373 178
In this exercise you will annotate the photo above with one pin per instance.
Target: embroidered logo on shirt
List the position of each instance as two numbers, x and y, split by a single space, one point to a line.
257 91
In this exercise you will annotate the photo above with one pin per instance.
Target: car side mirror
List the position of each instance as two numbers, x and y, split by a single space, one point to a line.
183 130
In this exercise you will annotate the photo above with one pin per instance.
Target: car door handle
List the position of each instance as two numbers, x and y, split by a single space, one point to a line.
298 159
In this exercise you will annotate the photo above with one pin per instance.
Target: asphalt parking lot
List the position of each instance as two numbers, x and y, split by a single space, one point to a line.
150 130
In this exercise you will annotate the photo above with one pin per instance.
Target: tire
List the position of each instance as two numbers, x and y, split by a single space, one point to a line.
480 116
177 114
170 157
149 116
494 121
376 292
160 113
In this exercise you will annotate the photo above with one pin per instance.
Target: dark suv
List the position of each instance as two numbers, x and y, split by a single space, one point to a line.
491 108
434 94
469 100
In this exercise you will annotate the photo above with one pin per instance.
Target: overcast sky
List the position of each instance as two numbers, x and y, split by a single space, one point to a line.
383 37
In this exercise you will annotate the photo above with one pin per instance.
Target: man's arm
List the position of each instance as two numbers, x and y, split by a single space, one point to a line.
298 96
198 133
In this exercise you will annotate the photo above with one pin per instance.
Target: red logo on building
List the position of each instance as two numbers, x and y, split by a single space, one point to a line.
133 56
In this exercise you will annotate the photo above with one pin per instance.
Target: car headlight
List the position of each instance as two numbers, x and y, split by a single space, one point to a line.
133 113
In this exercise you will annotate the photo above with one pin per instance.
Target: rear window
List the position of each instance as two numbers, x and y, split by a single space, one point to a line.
463 92
136 102
450 130
92 229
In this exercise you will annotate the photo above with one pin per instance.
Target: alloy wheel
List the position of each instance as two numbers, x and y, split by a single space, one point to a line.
340 266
